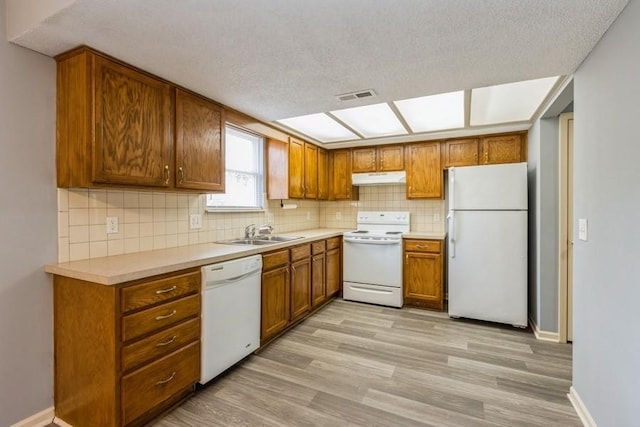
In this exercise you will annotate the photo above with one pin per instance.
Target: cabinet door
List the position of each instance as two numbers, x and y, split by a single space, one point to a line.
133 127
323 174
461 152
502 149
277 169
310 171
363 160
424 171
275 302
300 288
391 158
333 271
318 279
199 143
423 280
296 168
341 188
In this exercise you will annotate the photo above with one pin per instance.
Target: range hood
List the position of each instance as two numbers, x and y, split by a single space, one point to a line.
379 178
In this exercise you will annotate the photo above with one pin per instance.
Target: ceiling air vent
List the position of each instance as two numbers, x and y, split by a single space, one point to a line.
355 95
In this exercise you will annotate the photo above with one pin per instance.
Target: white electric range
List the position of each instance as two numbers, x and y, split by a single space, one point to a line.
372 258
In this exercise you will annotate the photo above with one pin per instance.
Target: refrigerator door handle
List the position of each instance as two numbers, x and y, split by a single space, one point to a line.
452 188
452 233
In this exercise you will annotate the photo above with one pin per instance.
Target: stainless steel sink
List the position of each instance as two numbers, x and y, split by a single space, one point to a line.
274 238
247 242
268 239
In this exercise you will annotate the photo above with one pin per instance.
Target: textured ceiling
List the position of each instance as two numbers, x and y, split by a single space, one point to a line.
282 58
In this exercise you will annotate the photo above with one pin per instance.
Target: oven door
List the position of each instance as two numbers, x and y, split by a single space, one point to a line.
373 261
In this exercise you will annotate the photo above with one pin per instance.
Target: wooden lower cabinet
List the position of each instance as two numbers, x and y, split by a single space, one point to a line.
125 353
423 274
300 281
297 281
333 264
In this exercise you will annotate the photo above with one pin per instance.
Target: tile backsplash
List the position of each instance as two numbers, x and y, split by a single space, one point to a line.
158 220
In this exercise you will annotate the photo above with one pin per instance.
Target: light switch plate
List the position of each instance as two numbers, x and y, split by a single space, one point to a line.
338 216
195 221
582 229
308 216
270 218
112 224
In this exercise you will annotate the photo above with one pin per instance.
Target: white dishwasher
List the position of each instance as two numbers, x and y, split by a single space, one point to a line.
230 314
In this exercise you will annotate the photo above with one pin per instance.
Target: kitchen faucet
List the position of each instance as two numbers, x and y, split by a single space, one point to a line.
250 231
265 229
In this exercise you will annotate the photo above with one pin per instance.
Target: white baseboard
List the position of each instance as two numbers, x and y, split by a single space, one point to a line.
582 410
42 418
543 335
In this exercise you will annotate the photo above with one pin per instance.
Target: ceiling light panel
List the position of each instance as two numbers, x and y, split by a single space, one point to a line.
320 127
372 121
435 112
513 102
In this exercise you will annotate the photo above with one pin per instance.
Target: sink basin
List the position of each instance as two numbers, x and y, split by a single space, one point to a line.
274 238
268 239
247 242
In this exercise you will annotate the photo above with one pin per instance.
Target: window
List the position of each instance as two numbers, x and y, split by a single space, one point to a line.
244 180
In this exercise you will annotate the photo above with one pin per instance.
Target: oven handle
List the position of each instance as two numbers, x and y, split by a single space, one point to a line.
372 242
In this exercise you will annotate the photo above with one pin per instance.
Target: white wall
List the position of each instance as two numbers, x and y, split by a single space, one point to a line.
606 370
27 229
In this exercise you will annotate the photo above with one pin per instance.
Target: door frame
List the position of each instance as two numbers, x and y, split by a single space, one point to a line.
565 223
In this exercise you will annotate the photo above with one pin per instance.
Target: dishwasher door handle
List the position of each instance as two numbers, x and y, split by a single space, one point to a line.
223 282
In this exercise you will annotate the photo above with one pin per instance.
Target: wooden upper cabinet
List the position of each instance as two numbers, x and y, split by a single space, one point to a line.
384 158
340 176
390 158
296 168
200 158
323 174
363 160
503 149
424 171
310 171
114 124
277 169
461 152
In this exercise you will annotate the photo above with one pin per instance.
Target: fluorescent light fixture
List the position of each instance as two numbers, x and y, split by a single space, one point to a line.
320 127
512 102
435 112
372 121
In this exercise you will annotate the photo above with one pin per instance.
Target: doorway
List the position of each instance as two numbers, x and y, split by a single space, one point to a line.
565 300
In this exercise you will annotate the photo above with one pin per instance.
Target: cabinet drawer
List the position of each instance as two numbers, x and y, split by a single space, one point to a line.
160 344
149 293
149 386
317 247
422 246
333 243
138 324
299 252
275 259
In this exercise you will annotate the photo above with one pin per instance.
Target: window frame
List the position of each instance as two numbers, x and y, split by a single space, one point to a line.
260 193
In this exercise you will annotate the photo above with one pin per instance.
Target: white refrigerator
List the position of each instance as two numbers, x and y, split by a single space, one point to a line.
487 235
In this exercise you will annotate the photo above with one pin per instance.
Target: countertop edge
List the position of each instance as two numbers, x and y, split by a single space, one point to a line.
119 269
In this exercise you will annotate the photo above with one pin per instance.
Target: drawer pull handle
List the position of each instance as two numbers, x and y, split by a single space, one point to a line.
166 316
161 382
422 246
164 291
167 342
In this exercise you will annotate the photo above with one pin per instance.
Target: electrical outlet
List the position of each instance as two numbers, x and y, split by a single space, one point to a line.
308 216
582 229
195 221
338 216
112 224
436 217
270 218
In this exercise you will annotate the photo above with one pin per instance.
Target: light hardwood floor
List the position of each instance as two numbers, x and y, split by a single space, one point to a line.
362 365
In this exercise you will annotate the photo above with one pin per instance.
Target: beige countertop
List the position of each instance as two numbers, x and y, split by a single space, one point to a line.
123 268
441 235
